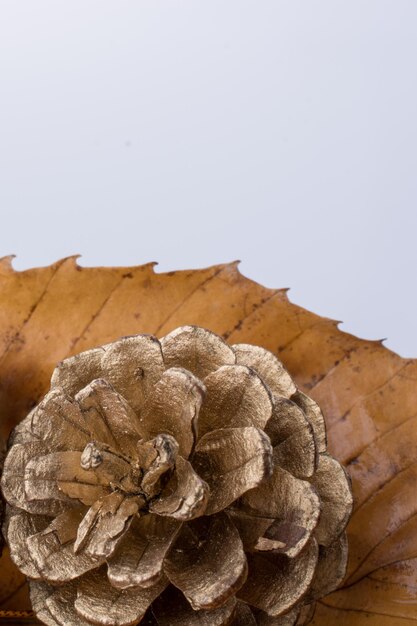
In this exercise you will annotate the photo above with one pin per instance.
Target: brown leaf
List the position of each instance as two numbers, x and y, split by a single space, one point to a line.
367 393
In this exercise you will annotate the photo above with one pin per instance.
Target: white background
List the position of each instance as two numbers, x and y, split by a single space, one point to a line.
197 132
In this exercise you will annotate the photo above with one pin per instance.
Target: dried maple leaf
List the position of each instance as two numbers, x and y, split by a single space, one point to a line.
367 393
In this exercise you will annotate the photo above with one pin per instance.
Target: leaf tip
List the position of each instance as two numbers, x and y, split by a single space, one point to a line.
6 263
230 266
72 259
151 266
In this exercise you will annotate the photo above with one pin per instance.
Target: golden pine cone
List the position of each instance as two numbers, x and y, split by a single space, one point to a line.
175 483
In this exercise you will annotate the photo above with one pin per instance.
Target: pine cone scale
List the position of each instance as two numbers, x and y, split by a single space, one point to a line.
291 504
197 350
14 490
185 496
207 562
55 605
268 367
276 582
232 461
108 417
58 419
58 562
173 407
139 558
236 397
60 476
132 365
105 523
292 438
99 602
172 609
333 497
